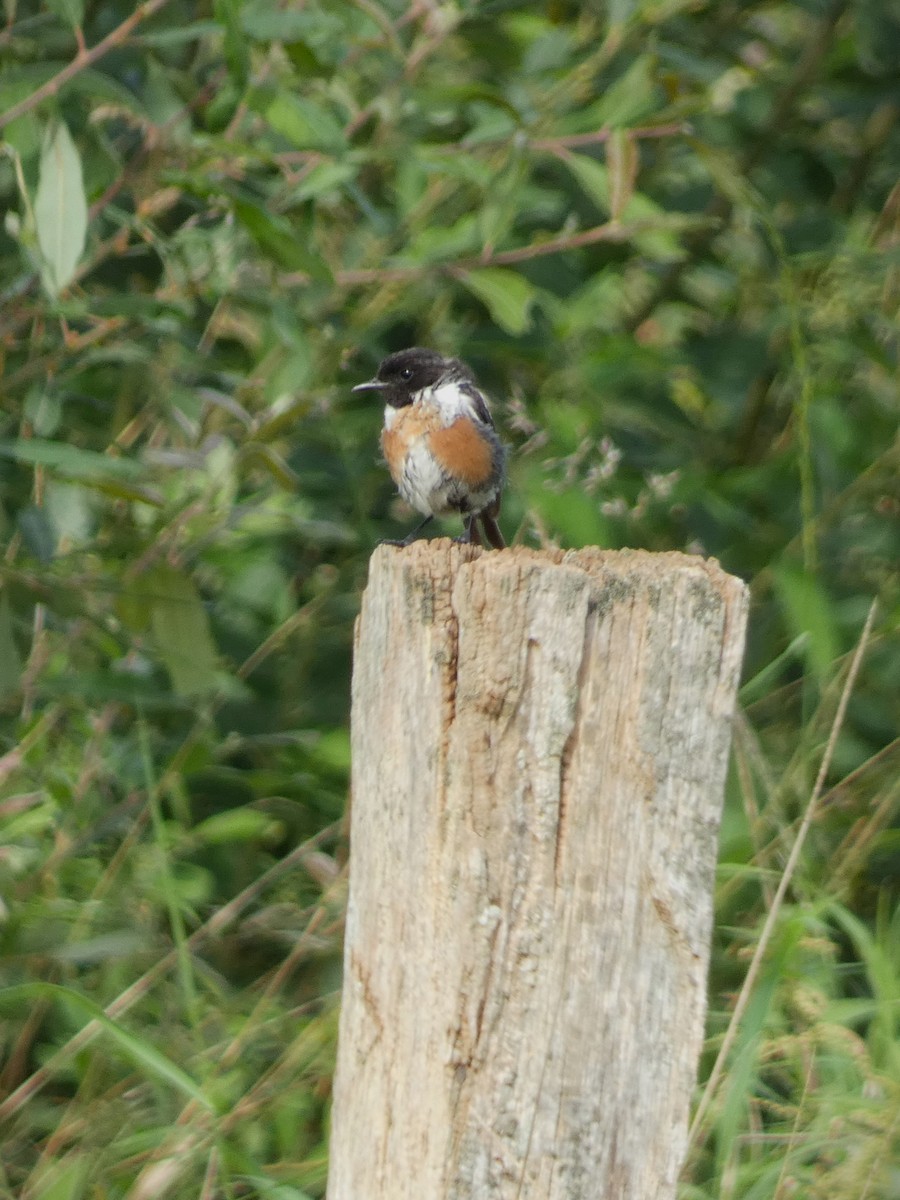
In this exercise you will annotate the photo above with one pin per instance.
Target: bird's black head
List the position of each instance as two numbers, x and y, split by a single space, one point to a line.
400 376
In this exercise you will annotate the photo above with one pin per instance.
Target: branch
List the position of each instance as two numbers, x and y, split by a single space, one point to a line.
598 136
612 231
569 141
82 60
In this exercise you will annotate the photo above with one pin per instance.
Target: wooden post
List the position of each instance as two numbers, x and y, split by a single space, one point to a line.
539 750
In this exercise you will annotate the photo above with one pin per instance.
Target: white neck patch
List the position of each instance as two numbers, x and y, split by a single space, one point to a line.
449 400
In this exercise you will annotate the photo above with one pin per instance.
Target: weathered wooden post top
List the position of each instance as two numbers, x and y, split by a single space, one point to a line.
540 743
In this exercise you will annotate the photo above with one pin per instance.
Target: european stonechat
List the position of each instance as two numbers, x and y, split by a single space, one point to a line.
439 441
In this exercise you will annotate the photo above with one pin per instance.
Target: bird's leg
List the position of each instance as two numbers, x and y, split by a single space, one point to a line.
471 537
492 531
409 537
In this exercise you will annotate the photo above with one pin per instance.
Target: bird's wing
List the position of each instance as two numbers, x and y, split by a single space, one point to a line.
478 402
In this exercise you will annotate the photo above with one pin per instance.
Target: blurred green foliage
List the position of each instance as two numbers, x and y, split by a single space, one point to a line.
666 234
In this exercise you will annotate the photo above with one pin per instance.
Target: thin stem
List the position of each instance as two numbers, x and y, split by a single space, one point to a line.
784 883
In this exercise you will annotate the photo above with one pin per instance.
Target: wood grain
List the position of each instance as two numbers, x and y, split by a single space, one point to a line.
539 750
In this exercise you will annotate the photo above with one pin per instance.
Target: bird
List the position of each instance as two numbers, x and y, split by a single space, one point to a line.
439 441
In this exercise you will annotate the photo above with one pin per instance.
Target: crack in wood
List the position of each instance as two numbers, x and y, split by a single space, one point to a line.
568 750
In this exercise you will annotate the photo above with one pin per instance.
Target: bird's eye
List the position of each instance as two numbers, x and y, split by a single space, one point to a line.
406 372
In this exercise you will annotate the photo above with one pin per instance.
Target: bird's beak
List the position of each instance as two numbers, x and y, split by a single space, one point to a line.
373 385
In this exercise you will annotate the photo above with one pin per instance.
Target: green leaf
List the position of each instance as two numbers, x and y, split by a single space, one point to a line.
660 238
60 209
43 409
100 948
70 509
767 679
333 750
502 204
65 1179
181 630
326 177
808 610
574 517
268 22
21 137
134 606
236 825
70 460
622 160
191 31
593 177
612 190
237 51
18 82
278 239
507 296
10 662
123 490
162 102
436 243
37 532
630 99
70 10
259 454
138 1050
307 124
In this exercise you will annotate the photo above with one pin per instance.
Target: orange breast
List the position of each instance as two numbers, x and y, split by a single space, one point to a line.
458 448
394 449
463 452
410 424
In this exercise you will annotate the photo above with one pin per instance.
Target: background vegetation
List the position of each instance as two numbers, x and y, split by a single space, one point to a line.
666 233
